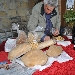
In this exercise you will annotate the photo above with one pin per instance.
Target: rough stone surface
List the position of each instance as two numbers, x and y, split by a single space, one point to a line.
14 8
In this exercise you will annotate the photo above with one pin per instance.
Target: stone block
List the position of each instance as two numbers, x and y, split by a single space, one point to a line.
24 5
2 14
5 5
12 5
6 22
31 3
1 27
18 4
1 6
22 12
12 13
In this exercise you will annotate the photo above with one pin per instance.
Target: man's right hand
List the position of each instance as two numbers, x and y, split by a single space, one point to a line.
46 38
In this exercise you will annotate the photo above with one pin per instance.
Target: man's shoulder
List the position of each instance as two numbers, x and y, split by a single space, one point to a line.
38 6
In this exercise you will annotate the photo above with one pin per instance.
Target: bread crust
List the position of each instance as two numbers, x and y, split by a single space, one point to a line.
34 57
54 51
19 50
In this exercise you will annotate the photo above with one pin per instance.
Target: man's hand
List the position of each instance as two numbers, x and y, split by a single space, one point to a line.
56 32
46 38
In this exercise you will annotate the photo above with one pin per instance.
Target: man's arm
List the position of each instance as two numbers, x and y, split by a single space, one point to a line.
33 20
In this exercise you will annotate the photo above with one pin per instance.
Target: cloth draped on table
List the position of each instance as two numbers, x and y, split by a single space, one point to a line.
2 46
65 68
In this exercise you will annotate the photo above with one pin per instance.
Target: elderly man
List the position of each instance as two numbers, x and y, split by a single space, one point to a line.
45 16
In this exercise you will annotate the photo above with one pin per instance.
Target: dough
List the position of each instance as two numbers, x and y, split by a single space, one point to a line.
54 51
45 44
59 38
34 57
19 50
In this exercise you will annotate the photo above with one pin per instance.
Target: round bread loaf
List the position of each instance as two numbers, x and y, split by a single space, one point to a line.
34 57
19 50
54 51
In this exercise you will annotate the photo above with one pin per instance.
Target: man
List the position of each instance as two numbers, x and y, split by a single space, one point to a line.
45 15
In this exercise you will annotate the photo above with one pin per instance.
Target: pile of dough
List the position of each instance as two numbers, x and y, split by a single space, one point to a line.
59 38
33 39
54 51
19 50
34 57
33 36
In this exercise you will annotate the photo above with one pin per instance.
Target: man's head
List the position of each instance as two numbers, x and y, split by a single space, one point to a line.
49 5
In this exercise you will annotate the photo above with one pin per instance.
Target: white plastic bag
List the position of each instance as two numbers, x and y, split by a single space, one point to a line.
10 44
15 26
22 37
39 29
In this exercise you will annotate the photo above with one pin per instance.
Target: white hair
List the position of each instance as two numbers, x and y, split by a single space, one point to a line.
51 2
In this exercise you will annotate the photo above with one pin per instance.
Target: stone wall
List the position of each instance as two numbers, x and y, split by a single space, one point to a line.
17 11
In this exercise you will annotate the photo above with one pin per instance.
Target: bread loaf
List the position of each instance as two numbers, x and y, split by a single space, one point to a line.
34 57
19 50
54 51
45 44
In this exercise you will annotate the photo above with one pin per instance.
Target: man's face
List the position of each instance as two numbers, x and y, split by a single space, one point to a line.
48 9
